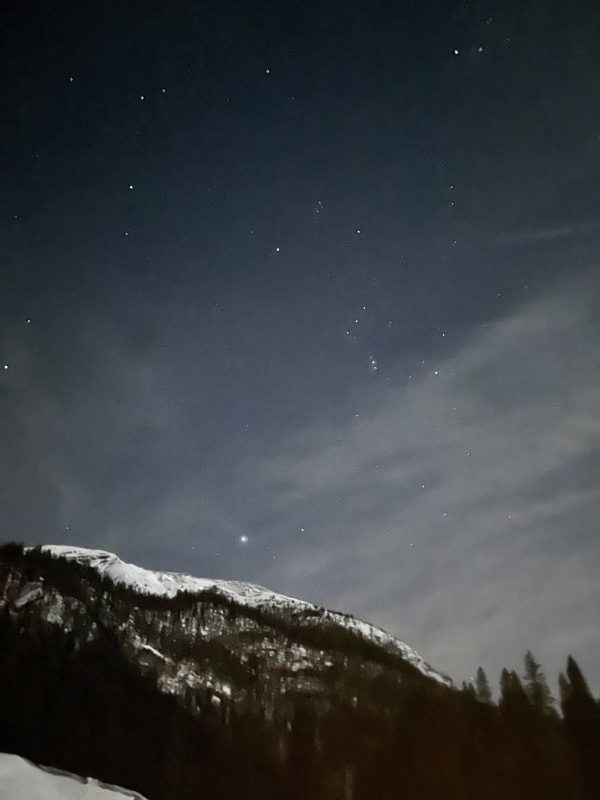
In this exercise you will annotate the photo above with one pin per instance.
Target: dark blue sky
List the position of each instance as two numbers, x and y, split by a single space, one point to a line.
324 277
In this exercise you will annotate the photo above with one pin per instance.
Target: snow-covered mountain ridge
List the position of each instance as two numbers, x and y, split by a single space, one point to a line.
223 647
168 584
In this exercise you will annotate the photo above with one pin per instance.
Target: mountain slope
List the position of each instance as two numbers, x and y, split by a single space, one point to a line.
230 646
169 584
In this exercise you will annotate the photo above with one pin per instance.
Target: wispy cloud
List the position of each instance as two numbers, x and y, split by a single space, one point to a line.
459 511
536 235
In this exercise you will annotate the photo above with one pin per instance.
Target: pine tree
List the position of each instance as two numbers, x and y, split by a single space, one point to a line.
513 700
535 685
577 702
582 722
575 676
482 686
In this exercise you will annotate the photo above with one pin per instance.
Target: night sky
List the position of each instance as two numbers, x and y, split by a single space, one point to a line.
309 295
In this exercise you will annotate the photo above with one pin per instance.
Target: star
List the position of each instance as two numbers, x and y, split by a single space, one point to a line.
243 539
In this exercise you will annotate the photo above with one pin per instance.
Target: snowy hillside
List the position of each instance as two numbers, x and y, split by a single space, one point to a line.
22 780
167 584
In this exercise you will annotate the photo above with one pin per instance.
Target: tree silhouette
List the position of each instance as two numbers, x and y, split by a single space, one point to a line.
582 722
535 685
482 686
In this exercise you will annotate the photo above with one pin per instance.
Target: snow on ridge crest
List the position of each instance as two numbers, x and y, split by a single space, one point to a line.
167 584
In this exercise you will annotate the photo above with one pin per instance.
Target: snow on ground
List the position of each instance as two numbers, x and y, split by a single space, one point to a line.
22 780
167 584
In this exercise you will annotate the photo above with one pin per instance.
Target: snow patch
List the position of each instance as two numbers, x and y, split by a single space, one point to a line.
22 780
149 649
31 593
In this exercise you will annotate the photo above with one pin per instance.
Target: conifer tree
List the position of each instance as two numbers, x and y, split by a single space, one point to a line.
482 686
513 700
535 685
575 676
582 721
580 710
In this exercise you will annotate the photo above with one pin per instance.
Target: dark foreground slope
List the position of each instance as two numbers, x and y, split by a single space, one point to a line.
193 696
